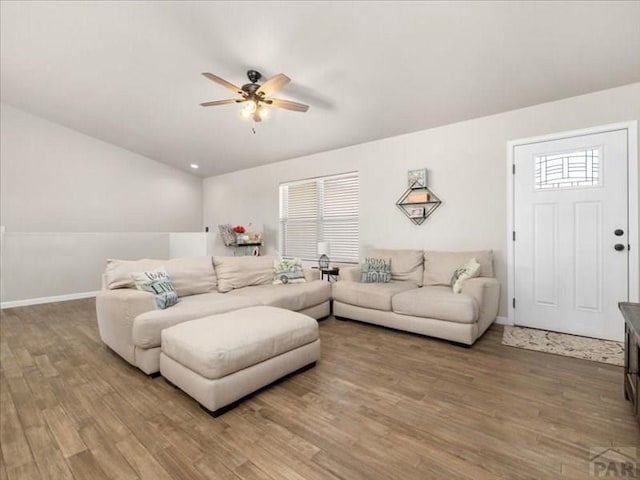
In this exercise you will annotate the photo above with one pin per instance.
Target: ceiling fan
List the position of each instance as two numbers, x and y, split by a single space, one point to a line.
256 96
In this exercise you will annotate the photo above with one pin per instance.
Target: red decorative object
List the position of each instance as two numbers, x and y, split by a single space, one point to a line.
238 229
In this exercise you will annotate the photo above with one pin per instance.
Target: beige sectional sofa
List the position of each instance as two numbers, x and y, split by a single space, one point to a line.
419 297
131 324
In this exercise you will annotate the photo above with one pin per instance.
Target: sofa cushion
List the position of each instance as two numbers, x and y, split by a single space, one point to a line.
440 266
406 265
190 275
238 272
369 295
294 297
436 302
219 345
148 326
118 272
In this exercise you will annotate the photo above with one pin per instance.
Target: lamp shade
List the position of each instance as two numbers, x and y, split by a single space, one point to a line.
323 248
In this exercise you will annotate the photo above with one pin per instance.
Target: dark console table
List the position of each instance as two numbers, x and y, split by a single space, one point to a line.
631 314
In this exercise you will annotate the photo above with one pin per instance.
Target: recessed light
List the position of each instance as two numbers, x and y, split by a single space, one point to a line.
195 166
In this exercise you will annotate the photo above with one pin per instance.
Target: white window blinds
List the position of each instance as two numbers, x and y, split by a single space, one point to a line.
317 210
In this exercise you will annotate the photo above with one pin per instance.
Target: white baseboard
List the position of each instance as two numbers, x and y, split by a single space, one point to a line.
37 301
503 321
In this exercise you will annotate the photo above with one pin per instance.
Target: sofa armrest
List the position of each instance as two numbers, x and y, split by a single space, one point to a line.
136 301
116 310
351 274
311 274
486 292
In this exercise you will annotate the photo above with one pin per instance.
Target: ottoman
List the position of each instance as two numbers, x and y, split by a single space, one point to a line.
221 358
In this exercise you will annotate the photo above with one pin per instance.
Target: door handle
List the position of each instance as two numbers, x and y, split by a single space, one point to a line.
618 232
619 247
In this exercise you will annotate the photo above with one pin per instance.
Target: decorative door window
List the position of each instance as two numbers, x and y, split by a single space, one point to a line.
580 168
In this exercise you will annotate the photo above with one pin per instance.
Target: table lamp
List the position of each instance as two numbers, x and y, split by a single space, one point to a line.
323 251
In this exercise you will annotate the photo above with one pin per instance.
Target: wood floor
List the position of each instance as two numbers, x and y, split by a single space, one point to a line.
380 404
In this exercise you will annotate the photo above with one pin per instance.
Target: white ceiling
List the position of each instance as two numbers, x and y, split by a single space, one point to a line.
129 72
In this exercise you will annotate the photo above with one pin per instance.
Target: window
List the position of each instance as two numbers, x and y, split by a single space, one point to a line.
322 209
565 170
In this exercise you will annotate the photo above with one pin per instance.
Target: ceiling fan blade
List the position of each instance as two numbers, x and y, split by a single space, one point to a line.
273 84
219 102
223 82
288 104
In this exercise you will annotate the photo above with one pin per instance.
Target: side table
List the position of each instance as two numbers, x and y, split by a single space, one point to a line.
331 273
631 314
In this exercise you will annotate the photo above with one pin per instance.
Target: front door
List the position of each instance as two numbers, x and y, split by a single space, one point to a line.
571 234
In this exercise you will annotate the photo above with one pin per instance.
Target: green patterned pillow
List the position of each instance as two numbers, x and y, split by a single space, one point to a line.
375 270
288 271
159 283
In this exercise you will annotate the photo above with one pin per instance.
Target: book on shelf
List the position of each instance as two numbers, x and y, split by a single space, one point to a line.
418 197
416 212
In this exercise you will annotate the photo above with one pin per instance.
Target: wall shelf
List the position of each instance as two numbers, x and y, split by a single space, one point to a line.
418 203
248 249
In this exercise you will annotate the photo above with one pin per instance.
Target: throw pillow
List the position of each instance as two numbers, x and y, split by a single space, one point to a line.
375 270
159 283
468 270
288 271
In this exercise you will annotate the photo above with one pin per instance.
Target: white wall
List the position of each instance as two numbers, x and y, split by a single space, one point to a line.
69 201
53 179
467 170
38 267
194 244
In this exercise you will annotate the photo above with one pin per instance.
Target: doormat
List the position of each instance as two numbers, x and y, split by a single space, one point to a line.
603 351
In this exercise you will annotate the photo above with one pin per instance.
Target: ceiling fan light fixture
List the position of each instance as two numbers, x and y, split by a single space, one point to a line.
263 112
249 108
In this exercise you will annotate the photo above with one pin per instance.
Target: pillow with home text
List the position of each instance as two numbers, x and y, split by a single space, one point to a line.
375 270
